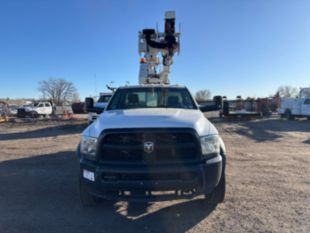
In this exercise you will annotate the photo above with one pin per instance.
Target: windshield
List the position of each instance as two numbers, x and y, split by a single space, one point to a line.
104 98
151 97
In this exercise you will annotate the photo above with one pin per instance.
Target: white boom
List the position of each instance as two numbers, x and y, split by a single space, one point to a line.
152 44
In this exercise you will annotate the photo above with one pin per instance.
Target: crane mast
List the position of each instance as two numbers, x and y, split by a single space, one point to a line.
152 46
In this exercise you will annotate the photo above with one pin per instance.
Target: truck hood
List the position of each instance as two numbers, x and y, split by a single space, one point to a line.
152 118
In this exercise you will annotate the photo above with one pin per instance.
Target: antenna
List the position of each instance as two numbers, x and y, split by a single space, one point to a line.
109 86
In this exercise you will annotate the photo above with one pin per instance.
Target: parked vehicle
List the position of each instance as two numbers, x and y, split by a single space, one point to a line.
37 109
298 107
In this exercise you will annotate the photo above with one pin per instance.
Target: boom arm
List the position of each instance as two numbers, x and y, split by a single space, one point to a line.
151 44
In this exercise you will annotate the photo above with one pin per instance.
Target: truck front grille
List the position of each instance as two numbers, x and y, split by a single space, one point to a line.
169 146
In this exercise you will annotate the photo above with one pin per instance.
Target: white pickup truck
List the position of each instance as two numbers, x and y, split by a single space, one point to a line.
152 138
40 108
299 107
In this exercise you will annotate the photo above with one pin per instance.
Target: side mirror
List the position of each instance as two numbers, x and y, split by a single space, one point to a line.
89 106
215 105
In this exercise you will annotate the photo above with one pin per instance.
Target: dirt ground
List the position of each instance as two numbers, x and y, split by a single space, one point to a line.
268 184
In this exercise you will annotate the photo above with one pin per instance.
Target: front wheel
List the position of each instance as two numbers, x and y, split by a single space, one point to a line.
86 198
289 115
218 194
34 114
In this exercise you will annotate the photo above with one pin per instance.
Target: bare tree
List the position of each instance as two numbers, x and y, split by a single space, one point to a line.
287 91
58 90
203 95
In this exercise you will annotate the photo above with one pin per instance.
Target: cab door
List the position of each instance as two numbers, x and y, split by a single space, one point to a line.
48 108
305 107
40 108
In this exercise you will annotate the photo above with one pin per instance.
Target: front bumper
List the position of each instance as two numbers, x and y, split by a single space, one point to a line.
152 182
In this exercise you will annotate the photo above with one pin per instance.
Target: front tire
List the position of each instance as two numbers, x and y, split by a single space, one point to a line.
86 198
289 115
34 114
218 194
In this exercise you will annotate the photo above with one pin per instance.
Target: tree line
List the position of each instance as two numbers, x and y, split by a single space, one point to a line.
282 92
61 91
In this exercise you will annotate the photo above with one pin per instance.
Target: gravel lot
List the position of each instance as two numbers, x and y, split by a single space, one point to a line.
268 188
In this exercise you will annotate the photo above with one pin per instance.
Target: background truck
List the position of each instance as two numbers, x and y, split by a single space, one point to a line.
299 107
42 108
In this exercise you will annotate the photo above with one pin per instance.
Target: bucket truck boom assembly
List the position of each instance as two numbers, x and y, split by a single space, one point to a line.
152 44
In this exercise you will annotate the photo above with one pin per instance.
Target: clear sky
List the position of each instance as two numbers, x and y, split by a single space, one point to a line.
232 47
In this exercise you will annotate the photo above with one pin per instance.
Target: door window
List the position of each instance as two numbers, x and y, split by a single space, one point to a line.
307 102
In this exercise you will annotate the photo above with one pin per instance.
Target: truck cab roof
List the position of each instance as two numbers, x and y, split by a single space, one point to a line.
152 85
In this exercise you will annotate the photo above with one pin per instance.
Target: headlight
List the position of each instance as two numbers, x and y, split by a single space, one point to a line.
88 146
210 145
